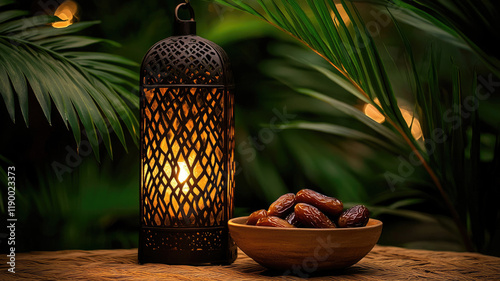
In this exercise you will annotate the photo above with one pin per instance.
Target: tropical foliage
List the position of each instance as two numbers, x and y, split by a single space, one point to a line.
461 19
91 91
450 108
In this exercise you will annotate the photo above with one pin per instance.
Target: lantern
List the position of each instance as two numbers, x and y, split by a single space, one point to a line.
187 150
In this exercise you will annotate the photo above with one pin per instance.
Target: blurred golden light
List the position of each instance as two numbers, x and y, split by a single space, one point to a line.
412 121
66 12
372 112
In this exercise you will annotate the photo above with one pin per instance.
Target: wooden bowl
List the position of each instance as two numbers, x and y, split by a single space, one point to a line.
305 249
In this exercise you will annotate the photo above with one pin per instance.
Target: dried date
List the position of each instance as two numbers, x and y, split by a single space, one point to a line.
282 206
356 216
311 216
255 216
292 219
273 222
329 205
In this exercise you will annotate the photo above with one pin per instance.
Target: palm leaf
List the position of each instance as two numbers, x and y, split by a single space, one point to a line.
341 82
355 113
367 73
462 19
71 42
90 91
340 131
340 181
5 2
7 15
345 108
438 31
351 50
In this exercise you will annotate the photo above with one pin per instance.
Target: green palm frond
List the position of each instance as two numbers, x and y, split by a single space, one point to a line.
349 48
396 142
339 131
90 90
337 32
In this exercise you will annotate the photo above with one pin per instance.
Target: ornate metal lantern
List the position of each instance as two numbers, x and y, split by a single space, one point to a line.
187 150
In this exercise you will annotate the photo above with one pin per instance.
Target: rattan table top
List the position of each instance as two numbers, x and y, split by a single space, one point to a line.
382 263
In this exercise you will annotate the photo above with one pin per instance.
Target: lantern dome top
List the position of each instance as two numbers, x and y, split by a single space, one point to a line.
185 59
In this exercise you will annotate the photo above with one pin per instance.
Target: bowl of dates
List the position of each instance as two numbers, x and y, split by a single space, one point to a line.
306 232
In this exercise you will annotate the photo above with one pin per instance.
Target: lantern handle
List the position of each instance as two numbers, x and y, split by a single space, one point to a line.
184 27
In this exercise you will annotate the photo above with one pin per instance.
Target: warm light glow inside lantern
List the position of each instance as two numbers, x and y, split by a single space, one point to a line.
187 150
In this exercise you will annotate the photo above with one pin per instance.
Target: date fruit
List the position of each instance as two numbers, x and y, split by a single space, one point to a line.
309 208
273 222
282 206
293 220
311 216
255 216
328 205
356 216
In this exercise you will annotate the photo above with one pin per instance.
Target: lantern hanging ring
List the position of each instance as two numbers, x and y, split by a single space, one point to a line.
186 6
184 27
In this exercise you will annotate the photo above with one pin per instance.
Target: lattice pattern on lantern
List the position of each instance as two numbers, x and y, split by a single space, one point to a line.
231 145
186 60
183 165
187 151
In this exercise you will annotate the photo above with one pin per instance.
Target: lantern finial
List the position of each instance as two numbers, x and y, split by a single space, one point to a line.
184 27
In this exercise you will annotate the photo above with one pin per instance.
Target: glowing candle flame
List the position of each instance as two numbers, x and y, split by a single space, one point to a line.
66 12
183 175
183 172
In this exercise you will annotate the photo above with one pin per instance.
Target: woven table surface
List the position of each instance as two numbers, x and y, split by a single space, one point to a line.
382 263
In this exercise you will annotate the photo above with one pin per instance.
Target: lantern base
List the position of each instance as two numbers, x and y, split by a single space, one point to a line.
190 246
